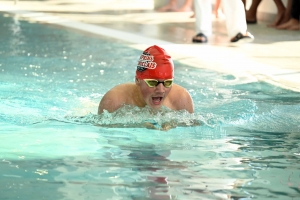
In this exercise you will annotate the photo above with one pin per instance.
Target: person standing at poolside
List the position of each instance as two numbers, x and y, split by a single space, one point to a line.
283 13
293 23
153 86
235 21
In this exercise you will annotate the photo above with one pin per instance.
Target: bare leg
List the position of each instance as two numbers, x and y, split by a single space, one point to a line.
217 8
287 14
251 13
187 6
280 13
171 6
292 24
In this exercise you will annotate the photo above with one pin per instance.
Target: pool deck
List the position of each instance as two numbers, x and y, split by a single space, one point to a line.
274 56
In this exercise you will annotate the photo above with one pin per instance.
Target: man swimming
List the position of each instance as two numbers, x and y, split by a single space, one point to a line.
153 86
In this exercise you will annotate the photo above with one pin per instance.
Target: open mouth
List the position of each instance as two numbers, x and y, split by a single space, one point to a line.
156 100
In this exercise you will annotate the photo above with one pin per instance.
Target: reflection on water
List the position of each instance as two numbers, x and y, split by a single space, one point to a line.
118 162
89 161
274 160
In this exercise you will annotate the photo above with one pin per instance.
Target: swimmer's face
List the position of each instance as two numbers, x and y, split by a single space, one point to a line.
153 96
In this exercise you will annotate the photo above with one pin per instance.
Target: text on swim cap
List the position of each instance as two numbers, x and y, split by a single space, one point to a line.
146 57
146 62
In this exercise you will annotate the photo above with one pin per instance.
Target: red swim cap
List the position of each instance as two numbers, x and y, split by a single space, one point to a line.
155 63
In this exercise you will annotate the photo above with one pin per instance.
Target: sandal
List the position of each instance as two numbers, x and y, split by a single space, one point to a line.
200 38
240 38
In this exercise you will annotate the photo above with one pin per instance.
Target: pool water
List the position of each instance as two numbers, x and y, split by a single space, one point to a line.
55 146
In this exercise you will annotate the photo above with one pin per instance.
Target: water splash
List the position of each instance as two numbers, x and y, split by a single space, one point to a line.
132 116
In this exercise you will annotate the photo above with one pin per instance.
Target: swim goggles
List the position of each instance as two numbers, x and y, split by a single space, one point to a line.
153 82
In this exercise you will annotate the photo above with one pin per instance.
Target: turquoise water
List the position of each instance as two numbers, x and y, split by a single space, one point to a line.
54 146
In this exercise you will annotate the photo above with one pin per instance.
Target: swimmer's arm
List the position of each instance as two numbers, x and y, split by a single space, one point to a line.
147 125
164 127
185 101
110 102
169 125
172 124
189 104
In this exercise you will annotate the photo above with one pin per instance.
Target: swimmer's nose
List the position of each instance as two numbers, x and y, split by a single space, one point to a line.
160 87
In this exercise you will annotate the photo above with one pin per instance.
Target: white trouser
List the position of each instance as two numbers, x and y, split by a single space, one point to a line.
234 12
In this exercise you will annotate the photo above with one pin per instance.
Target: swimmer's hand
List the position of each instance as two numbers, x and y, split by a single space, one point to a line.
172 124
169 125
164 127
149 125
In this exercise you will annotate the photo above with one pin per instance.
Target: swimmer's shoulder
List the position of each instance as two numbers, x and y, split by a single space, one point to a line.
184 102
116 97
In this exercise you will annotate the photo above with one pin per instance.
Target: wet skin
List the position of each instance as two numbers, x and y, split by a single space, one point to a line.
153 96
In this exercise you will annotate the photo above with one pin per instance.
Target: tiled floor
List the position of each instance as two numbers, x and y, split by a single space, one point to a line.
274 56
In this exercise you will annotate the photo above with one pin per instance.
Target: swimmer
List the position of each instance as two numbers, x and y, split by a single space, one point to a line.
154 86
